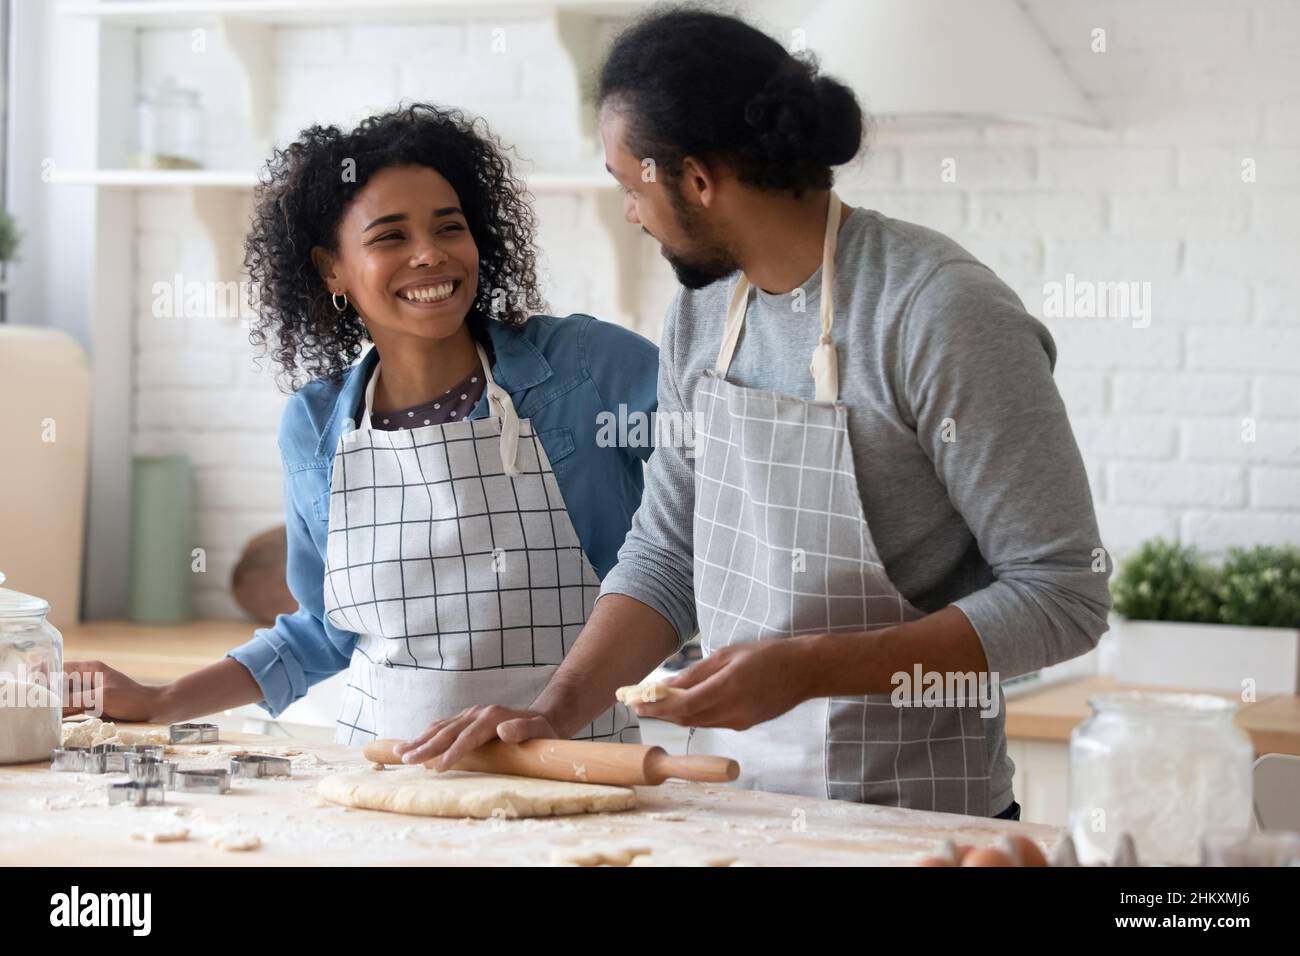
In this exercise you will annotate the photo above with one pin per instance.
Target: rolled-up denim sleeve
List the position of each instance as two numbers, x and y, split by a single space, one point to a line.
626 379
302 648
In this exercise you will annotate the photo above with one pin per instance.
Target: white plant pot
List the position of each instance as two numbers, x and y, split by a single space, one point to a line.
1207 656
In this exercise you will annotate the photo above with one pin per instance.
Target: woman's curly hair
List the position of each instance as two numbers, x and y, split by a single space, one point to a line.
305 191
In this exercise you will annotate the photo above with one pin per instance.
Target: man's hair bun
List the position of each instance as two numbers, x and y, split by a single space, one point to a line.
695 83
801 116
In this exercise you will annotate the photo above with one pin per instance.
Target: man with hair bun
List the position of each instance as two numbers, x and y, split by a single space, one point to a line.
883 487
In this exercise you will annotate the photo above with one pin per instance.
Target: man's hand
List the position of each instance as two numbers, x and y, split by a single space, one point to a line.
471 729
741 685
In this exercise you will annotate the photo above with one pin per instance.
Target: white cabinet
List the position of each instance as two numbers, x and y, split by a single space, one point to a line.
1041 781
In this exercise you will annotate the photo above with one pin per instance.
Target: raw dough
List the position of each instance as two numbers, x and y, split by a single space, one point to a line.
647 693
236 841
174 834
637 856
424 792
598 856
684 857
88 733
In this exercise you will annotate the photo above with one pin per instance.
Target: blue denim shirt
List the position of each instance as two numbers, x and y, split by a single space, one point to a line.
562 373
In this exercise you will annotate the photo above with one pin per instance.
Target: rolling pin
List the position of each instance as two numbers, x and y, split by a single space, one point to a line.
582 761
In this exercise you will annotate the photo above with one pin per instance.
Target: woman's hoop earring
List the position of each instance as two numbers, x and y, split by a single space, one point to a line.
334 298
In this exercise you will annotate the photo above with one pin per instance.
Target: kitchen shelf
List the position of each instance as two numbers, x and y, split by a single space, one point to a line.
223 221
218 178
176 13
245 28
538 183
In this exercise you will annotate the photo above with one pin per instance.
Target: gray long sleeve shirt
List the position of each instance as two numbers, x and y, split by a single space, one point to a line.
969 474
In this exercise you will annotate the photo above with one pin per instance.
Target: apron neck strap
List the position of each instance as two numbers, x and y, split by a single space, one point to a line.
825 364
499 403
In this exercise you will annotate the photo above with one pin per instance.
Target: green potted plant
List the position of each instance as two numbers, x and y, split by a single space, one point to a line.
10 239
1185 622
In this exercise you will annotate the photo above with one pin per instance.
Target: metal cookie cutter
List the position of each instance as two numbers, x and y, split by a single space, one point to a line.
106 758
137 793
201 781
260 765
194 733
69 758
146 768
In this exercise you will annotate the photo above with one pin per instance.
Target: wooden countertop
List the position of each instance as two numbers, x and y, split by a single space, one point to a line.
49 818
1273 722
154 653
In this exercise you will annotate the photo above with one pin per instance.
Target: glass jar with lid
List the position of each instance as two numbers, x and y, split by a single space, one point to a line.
1164 768
31 679
170 128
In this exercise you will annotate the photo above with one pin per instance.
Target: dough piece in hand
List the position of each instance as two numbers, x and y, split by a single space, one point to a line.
648 693
423 792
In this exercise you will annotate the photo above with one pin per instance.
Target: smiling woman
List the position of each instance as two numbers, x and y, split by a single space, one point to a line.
450 509
325 201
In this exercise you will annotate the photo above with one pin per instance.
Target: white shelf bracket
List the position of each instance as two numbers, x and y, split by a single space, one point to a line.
250 44
624 242
579 34
224 215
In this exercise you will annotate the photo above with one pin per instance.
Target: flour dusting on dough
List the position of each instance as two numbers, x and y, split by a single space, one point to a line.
482 796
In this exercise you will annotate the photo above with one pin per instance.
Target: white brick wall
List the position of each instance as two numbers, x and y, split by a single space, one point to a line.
1191 87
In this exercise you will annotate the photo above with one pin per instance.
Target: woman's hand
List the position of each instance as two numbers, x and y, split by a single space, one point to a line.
471 729
95 688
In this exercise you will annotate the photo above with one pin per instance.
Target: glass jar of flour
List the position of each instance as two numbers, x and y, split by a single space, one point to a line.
31 679
1163 767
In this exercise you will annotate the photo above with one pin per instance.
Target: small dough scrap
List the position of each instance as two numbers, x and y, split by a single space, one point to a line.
598 856
88 733
685 857
133 738
648 693
175 834
423 792
236 841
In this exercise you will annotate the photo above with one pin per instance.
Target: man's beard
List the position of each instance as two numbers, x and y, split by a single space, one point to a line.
711 262
701 272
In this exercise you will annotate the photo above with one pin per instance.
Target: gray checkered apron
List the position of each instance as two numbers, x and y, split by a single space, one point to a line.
782 548
451 556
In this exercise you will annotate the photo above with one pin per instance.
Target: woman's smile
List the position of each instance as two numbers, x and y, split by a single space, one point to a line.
428 294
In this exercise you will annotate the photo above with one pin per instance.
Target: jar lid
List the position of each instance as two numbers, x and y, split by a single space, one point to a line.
168 93
1164 704
18 604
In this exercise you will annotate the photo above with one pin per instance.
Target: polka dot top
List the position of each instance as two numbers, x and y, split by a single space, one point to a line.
452 406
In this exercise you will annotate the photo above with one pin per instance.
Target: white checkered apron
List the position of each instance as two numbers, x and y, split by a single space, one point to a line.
452 557
782 548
